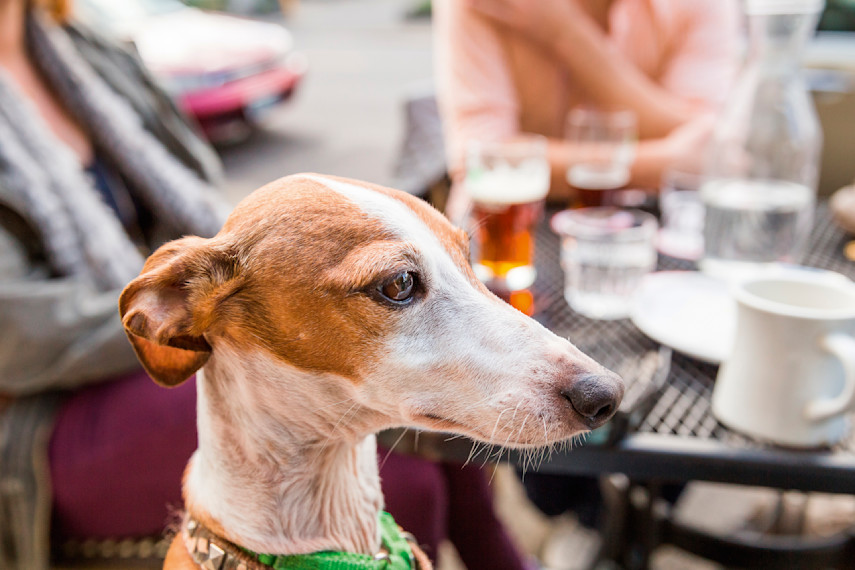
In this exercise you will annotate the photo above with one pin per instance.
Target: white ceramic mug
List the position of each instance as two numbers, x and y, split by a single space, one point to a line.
790 378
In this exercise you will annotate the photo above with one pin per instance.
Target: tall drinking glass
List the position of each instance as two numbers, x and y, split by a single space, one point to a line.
507 183
603 144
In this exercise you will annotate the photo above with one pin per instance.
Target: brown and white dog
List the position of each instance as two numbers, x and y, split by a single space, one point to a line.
325 310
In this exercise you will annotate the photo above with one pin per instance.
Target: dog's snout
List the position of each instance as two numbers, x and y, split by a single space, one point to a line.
595 397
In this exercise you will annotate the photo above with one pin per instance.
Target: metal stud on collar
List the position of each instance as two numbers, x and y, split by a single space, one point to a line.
200 550
216 556
207 553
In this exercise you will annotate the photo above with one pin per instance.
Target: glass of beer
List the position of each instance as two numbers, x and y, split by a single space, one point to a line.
507 183
603 143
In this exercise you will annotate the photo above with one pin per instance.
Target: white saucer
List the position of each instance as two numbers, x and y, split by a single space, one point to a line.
688 311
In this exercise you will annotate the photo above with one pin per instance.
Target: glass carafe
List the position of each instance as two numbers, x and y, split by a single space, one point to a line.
763 162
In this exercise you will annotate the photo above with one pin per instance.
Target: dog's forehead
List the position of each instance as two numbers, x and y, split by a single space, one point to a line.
312 205
410 219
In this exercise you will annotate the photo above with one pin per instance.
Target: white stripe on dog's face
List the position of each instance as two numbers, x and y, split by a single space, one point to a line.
398 219
458 359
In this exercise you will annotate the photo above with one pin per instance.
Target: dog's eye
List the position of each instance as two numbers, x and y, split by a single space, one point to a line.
400 288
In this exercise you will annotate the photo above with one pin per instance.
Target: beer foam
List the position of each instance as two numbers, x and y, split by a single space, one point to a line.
592 177
506 184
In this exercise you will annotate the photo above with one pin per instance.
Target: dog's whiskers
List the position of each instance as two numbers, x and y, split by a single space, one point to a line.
392 448
522 427
471 453
528 459
498 460
496 425
331 405
504 446
335 428
489 450
486 449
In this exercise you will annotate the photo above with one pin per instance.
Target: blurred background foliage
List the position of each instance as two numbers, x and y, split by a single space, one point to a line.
839 16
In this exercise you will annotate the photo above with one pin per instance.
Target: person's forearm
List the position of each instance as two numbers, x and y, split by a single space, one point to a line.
610 80
651 159
57 335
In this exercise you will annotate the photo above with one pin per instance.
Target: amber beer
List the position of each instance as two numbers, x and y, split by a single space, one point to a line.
505 237
507 183
596 184
603 142
506 207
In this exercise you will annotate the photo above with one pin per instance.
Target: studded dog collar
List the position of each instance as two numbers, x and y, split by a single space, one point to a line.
213 552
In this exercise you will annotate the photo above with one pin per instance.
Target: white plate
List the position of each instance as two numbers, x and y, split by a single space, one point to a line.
688 311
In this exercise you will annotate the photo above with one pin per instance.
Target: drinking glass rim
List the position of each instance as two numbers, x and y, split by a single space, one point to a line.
578 223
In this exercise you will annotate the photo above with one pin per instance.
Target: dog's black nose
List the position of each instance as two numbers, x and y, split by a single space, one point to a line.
595 397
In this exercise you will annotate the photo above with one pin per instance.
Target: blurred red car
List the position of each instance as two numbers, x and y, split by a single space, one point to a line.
224 70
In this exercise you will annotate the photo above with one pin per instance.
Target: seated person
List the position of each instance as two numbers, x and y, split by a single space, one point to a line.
98 168
506 67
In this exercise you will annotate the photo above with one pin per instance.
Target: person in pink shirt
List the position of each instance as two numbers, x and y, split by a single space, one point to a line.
506 67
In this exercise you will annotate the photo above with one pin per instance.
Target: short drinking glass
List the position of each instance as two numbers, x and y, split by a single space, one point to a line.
507 183
603 144
682 233
605 252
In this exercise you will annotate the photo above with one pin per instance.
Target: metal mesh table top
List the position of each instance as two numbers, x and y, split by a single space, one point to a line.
673 390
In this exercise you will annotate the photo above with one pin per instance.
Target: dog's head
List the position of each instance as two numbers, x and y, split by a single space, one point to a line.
345 298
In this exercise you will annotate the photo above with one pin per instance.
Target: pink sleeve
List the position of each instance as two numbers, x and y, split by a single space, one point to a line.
705 56
475 91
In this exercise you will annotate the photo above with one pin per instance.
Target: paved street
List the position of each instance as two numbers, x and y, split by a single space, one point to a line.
346 118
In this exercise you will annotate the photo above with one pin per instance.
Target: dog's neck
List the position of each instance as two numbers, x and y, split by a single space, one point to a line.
275 486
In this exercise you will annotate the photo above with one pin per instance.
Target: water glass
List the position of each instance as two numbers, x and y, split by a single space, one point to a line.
605 252
682 233
603 144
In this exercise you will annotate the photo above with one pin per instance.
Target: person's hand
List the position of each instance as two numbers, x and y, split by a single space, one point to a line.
540 20
685 146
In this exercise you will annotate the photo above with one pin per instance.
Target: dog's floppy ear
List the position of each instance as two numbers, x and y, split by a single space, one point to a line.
166 309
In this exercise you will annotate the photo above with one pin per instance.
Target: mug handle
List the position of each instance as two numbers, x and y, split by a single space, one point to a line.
843 347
